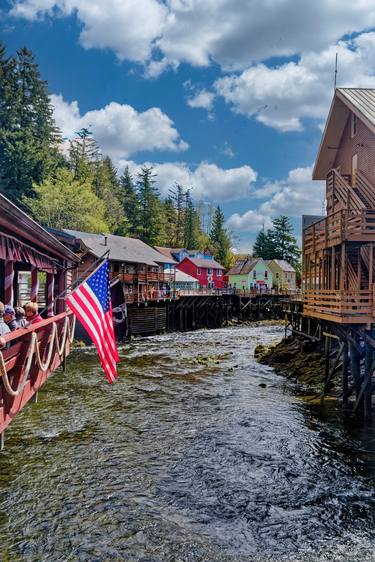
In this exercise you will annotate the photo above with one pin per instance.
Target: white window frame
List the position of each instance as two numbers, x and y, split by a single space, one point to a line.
353 125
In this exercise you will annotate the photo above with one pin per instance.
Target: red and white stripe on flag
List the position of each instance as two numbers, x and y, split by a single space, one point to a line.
91 303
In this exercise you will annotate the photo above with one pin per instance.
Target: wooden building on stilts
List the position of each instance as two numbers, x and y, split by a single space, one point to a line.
338 249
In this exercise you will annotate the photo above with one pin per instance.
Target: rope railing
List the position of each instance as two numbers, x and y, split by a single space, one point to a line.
57 344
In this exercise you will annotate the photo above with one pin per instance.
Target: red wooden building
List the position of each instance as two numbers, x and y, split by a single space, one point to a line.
30 355
208 272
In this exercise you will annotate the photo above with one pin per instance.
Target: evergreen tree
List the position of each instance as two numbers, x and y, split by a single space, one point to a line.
170 218
107 187
264 245
130 203
177 196
63 202
150 213
219 238
284 243
192 224
29 139
84 155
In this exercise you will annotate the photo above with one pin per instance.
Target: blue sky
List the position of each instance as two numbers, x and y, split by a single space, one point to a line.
226 96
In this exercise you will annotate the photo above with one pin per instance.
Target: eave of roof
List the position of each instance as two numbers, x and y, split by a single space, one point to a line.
204 263
29 231
361 102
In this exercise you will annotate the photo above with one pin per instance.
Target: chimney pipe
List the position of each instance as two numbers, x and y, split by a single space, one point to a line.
105 240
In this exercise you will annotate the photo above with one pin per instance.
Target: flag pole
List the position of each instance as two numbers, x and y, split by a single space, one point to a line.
79 280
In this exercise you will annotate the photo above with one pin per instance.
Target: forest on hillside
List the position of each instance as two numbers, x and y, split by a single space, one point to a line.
72 184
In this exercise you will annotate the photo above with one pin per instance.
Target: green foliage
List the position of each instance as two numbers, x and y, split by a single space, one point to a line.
264 245
150 208
84 156
63 202
278 243
83 190
29 138
219 239
107 188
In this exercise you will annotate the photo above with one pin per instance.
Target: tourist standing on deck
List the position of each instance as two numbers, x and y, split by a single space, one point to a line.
10 318
32 315
3 327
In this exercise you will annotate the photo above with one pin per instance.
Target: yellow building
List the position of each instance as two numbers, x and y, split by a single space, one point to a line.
284 275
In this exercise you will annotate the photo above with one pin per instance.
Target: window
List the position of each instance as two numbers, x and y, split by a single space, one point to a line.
353 125
219 272
209 271
254 274
199 271
266 274
277 274
354 168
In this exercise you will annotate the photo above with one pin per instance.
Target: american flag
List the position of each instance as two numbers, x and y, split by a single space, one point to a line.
91 303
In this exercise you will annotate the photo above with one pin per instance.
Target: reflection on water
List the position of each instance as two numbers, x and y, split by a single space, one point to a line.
186 458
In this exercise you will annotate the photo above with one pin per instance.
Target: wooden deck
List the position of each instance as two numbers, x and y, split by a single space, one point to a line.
354 307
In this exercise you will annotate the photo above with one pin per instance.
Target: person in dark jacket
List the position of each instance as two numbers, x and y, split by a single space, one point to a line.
3 327
10 318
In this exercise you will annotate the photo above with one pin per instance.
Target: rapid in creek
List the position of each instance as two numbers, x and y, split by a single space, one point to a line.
197 453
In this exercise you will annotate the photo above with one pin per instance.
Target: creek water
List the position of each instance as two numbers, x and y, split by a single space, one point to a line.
198 453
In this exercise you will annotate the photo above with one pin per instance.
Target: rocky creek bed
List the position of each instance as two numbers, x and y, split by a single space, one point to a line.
296 359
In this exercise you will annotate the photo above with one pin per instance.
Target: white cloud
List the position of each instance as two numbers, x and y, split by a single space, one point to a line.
295 196
119 129
198 32
128 27
203 99
280 97
207 181
251 221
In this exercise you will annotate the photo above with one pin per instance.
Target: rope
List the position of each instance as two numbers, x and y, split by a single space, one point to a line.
34 347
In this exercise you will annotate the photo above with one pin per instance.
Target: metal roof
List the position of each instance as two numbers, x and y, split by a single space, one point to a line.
283 264
361 102
207 263
169 251
243 266
363 99
181 276
121 248
28 231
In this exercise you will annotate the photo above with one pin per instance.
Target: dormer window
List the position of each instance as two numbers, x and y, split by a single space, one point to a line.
353 125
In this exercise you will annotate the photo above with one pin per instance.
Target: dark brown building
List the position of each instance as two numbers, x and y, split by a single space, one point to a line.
338 250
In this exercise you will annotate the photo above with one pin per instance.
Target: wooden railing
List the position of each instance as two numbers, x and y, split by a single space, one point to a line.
354 306
339 227
28 357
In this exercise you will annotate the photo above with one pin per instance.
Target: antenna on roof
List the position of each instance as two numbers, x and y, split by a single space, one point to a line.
337 56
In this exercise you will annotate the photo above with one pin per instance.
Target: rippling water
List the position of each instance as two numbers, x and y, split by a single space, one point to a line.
185 459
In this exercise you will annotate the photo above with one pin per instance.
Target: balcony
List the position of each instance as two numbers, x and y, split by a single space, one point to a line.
344 307
342 226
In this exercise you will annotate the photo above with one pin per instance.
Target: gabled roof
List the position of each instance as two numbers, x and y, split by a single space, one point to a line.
204 263
283 264
121 248
243 266
361 102
168 252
